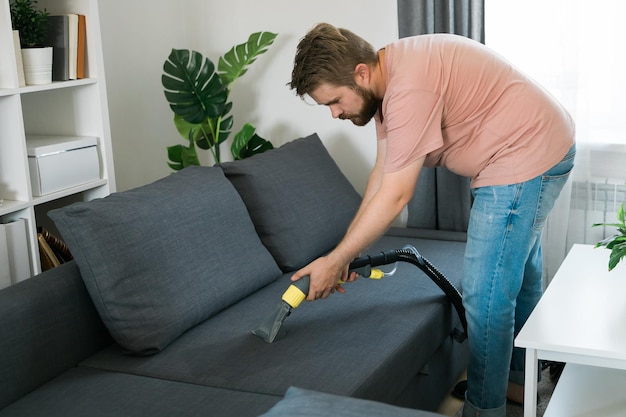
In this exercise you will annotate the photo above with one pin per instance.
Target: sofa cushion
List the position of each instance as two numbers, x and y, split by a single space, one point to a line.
161 258
85 392
299 200
306 403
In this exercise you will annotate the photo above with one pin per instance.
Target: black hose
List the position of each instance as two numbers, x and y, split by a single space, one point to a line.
411 255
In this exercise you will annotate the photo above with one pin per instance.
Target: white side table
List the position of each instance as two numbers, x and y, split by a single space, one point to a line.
580 320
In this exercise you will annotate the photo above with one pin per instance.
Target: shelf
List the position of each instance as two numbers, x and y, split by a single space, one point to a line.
67 192
55 85
10 206
588 391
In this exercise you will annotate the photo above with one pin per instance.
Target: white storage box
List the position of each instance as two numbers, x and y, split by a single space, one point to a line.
59 162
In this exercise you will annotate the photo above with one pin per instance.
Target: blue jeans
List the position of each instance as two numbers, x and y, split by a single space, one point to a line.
503 282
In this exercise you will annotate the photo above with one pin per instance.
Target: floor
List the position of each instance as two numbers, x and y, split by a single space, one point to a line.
549 375
450 404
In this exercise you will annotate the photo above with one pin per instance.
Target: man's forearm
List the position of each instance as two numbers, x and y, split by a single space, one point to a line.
375 216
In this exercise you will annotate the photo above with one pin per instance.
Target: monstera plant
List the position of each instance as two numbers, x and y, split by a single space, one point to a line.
617 242
198 96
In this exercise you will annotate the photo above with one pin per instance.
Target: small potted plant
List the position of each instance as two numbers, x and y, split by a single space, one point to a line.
617 242
32 25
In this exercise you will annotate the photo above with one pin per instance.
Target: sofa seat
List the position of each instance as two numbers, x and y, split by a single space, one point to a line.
81 392
376 337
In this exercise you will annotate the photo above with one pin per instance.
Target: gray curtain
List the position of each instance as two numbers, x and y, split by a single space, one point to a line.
442 200
462 17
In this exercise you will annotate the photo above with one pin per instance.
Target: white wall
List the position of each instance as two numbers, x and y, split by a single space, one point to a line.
139 34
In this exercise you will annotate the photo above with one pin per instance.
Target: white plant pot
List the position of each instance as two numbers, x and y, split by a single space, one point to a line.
37 65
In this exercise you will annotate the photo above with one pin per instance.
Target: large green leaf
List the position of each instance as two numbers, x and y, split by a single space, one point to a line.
192 87
618 252
246 143
234 62
182 156
621 216
616 243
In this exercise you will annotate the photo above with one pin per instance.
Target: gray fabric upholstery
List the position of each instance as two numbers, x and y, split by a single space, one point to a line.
299 200
161 258
442 201
47 325
84 392
431 234
306 403
375 338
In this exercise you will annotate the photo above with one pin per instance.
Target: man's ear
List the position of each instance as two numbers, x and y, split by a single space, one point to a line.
362 74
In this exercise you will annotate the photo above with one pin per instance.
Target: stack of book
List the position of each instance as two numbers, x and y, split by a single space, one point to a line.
66 34
52 250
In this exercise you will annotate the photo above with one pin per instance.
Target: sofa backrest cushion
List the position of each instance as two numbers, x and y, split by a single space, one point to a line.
299 200
161 258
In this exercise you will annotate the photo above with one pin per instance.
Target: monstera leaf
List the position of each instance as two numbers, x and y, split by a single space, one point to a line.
182 156
234 63
247 143
193 89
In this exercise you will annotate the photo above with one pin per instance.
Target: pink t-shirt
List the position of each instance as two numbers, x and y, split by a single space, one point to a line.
464 107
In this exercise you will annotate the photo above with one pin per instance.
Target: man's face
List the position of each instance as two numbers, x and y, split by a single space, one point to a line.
358 105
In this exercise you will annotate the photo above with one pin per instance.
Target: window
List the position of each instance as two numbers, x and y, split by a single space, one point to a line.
574 48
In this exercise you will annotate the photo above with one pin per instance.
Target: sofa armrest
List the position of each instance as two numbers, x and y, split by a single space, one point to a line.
47 325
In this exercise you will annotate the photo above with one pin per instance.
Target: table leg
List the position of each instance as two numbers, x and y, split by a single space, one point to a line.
530 383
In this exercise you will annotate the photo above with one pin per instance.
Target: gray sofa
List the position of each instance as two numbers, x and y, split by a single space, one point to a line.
154 316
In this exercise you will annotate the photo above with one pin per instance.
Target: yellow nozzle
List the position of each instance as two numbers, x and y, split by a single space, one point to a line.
376 274
293 296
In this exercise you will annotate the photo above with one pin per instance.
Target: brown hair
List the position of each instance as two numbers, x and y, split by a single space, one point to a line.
329 55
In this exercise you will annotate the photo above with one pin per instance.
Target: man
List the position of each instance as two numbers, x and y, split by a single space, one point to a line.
447 100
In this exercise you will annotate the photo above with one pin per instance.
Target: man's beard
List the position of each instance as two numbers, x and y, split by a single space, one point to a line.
369 108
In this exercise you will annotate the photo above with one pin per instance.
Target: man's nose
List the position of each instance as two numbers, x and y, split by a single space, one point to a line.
335 112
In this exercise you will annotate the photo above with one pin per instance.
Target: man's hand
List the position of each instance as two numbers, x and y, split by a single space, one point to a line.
327 274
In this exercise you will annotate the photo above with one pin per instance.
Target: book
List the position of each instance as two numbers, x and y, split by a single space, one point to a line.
73 45
81 47
46 255
52 250
21 81
5 271
17 245
59 38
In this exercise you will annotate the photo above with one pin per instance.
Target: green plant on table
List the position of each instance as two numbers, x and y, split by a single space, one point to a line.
31 22
198 96
617 242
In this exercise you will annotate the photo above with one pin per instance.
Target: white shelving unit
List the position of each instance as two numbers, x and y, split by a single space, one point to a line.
69 108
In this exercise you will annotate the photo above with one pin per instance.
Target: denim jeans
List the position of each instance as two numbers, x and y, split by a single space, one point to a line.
502 281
